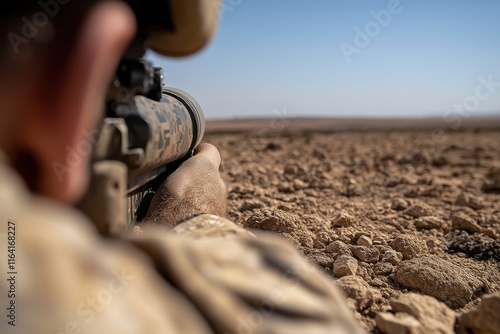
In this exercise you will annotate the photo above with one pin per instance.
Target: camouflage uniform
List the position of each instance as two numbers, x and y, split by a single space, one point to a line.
206 276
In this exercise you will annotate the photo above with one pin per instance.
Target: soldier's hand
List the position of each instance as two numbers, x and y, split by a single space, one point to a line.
194 188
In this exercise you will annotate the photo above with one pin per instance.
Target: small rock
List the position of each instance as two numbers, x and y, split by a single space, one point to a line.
379 241
322 260
291 169
338 247
439 278
440 161
428 223
433 246
461 221
434 316
285 188
400 323
383 268
433 191
399 204
273 147
366 254
469 200
391 183
392 257
323 237
493 182
298 184
364 241
484 319
345 265
344 220
412 192
356 289
359 234
383 248
409 246
417 211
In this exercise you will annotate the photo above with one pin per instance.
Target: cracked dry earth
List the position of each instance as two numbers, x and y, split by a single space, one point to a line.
407 227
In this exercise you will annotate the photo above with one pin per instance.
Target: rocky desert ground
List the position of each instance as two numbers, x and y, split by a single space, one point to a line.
406 222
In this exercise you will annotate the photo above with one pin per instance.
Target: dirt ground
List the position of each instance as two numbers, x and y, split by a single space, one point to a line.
383 213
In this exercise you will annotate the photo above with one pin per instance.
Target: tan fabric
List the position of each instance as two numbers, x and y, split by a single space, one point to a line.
70 280
194 25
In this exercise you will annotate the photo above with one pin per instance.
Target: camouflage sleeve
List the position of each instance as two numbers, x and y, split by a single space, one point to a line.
70 280
246 283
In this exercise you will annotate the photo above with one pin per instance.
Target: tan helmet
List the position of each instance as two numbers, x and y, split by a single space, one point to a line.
193 24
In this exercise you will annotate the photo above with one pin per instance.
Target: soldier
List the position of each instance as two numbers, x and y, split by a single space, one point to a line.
205 276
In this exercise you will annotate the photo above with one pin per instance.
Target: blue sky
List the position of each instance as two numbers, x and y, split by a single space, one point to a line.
289 56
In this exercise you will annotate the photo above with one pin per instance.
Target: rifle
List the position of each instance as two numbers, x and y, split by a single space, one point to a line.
147 130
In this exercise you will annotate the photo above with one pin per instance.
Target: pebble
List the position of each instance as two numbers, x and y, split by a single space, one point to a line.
322 260
469 200
433 315
400 323
417 211
344 220
356 289
338 247
366 254
461 221
408 246
298 184
439 278
399 204
345 265
383 268
392 257
364 241
493 182
484 319
379 241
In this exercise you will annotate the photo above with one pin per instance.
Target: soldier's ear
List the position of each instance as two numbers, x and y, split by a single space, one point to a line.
59 128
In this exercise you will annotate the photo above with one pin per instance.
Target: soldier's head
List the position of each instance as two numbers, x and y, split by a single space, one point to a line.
58 57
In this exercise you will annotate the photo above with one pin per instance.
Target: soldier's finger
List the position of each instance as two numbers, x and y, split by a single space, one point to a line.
210 152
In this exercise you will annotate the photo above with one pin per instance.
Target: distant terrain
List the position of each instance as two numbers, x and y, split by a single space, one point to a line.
387 208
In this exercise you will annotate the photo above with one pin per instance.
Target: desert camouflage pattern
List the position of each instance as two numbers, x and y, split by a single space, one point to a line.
206 276
171 131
